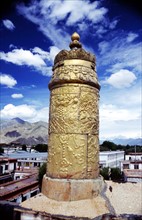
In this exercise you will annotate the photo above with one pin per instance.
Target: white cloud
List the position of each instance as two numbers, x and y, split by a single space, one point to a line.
26 112
121 79
131 37
35 58
100 30
72 9
17 96
118 121
48 14
118 53
114 113
8 24
113 24
23 111
22 57
53 52
7 80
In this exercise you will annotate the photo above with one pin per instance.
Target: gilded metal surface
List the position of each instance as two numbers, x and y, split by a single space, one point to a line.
74 73
74 116
73 132
67 156
75 41
74 110
74 54
93 156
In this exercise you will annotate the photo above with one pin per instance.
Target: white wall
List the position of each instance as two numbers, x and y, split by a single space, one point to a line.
111 159
133 157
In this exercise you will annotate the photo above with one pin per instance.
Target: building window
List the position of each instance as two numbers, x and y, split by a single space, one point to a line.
6 167
129 158
35 164
125 166
136 166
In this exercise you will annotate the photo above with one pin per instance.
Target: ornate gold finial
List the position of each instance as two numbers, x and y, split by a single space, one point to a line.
75 36
75 41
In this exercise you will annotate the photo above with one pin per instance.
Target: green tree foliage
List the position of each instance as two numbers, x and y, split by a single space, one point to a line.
105 172
108 145
1 150
41 147
42 171
114 174
24 147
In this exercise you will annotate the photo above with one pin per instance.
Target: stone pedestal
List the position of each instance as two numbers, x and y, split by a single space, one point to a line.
71 190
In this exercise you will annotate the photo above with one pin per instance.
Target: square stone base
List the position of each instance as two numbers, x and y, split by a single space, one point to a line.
71 190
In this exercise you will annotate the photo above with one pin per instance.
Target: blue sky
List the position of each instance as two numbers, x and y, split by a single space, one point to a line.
32 34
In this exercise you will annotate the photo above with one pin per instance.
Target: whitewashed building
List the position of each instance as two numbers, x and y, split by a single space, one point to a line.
134 156
29 160
134 176
133 161
111 159
132 167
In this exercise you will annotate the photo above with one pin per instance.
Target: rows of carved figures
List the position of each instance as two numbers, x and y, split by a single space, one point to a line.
73 132
75 72
75 112
73 156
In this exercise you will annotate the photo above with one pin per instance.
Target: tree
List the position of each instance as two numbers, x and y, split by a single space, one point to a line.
24 147
116 174
42 171
105 172
41 147
109 145
1 150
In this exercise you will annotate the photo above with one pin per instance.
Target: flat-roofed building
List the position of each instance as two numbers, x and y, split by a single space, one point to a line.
29 160
134 156
134 176
7 168
20 190
111 158
132 165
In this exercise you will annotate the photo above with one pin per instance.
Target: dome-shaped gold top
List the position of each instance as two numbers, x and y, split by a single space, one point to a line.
76 52
75 36
75 41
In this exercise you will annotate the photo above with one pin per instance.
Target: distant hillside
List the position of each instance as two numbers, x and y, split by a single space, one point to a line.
28 133
127 141
24 132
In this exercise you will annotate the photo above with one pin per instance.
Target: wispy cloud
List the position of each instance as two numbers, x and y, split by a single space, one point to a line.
131 37
50 16
17 96
7 80
120 52
35 58
8 24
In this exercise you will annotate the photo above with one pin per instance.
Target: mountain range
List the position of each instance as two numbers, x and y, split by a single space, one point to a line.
24 132
18 130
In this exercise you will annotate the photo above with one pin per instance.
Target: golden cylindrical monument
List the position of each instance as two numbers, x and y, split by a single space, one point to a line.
73 136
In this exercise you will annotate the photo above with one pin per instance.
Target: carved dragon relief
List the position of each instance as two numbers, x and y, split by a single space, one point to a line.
67 155
74 113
